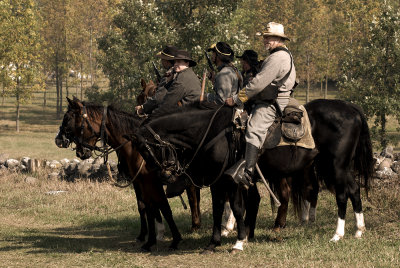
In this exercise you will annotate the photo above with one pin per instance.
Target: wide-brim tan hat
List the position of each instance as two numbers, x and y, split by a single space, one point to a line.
274 29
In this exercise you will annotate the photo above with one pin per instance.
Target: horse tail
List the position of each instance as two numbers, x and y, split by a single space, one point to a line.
363 158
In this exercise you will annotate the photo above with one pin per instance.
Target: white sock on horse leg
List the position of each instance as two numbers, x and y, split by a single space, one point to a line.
305 210
339 230
160 230
360 224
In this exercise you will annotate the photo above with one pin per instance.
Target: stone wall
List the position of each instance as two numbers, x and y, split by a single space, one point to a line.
387 166
64 169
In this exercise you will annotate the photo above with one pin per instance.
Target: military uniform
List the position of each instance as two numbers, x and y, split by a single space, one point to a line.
154 101
226 84
273 70
185 89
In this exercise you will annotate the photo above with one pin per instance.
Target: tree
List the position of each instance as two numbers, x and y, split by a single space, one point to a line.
20 51
371 76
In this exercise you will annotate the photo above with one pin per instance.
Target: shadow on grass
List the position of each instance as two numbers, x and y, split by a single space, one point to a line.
106 235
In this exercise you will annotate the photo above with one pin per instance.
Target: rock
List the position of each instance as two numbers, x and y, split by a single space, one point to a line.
77 161
54 176
33 165
12 163
54 164
3 158
30 180
386 173
98 161
83 169
396 156
386 163
387 152
378 160
64 162
396 167
25 160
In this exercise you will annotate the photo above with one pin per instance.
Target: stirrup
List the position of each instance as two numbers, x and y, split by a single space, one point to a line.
237 170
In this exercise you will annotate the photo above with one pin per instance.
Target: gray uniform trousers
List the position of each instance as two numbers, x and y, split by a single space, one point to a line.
261 118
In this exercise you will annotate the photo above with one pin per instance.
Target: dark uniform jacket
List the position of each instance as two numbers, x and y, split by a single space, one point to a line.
185 89
154 101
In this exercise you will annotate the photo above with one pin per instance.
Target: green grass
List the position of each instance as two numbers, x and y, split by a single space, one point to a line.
94 224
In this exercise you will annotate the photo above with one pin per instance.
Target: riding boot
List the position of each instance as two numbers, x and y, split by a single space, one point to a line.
251 161
243 170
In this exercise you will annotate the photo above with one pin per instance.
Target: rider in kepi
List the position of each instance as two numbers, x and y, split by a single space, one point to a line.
273 84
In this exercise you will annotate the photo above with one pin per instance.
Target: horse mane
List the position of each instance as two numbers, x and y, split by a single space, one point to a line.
204 105
124 121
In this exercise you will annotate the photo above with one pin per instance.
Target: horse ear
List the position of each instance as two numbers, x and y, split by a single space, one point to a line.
143 83
74 104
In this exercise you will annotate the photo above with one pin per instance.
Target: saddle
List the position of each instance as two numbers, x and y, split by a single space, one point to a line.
289 128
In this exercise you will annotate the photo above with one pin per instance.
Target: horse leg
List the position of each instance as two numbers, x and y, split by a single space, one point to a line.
167 213
310 196
151 240
284 195
193 194
142 213
160 228
228 220
354 194
252 205
237 205
218 200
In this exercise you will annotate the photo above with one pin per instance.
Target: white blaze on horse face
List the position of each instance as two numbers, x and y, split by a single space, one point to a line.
305 211
160 230
339 231
360 224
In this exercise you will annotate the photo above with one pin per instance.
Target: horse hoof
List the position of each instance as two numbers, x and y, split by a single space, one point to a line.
225 233
276 229
194 229
207 252
336 238
235 251
145 249
140 239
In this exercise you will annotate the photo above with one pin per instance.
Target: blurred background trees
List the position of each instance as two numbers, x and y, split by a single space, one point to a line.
71 44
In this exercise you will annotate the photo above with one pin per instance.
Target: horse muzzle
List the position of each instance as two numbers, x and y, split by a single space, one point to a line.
62 142
84 154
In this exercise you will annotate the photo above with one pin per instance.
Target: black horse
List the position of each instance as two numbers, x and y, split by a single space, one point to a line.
85 124
196 139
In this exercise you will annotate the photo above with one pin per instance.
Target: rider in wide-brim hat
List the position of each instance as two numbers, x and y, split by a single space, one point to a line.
274 29
184 55
168 53
223 51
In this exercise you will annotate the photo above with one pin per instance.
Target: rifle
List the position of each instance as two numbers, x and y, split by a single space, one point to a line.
157 72
209 62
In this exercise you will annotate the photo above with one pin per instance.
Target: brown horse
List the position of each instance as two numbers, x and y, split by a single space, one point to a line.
193 193
86 124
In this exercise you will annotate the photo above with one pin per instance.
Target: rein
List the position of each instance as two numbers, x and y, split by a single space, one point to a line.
105 149
178 169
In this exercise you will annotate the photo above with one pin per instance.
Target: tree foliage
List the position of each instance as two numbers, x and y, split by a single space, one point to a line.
371 76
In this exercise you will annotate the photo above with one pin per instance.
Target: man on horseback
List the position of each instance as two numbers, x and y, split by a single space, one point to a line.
228 81
167 61
250 65
180 86
270 88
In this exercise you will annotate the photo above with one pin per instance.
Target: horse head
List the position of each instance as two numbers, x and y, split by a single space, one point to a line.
80 128
148 90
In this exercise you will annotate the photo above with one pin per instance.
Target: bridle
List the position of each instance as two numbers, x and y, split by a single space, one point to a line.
169 150
100 151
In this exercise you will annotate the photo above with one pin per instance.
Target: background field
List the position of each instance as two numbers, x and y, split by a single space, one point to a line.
94 224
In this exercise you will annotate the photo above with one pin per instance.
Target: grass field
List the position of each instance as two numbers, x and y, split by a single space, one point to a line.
94 224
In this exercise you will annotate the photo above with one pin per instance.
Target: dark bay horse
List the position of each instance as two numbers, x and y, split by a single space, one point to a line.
85 124
341 135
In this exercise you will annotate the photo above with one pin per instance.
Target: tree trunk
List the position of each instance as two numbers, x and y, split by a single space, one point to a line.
18 110
61 98
383 138
57 90
66 85
326 88
308 79
90 56
81 81
45 96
